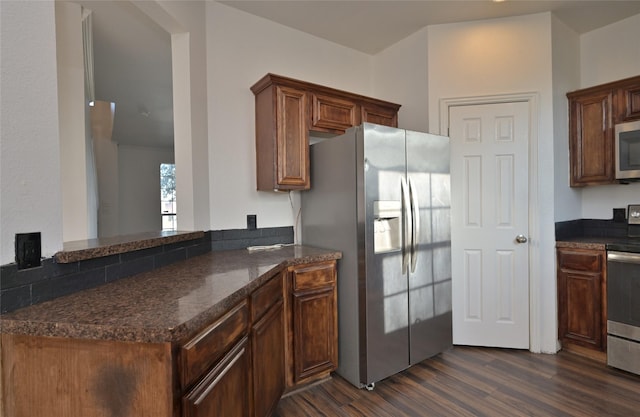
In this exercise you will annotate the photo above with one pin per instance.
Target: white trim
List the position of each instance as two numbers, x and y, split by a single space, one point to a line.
535 319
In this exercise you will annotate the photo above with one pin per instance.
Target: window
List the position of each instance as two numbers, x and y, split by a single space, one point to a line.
168 196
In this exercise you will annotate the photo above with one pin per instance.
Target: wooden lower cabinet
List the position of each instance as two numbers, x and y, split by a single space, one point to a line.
282 336
223 390
312 323
63 377
268 352
582 312
234 367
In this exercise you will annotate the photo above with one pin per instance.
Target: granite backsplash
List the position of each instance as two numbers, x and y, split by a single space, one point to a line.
591 228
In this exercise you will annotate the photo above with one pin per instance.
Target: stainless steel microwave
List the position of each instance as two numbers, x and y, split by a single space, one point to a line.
627 156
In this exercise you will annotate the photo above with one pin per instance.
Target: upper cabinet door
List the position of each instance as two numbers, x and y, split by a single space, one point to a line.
379 115
292 139
282 138
332 113
629 102
591 139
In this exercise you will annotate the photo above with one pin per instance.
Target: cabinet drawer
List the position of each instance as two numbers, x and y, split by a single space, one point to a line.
222 391
206 348
580 261
266 296
314 276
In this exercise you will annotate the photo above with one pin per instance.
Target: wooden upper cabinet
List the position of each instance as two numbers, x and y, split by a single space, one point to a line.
282 138
287 110
593 114
591 139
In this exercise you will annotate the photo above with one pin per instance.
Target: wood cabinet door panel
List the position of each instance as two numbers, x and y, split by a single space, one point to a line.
268 360
208 346
591 145
64 377
583 308
379 115
292 138
315 333
225 389
332 113
629 103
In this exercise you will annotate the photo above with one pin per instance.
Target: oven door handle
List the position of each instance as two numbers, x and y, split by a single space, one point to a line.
625 257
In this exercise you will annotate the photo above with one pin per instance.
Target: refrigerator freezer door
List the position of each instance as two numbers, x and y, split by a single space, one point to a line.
383 296
430 276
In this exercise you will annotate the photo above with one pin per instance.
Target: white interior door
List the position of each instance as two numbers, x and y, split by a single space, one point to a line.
489 209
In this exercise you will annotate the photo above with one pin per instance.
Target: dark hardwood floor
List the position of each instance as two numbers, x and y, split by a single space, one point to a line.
471 381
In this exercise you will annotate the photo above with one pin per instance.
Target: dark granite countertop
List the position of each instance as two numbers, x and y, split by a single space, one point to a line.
168 304
80 250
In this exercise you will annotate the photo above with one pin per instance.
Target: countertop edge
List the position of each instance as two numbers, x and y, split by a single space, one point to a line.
91 249
580 244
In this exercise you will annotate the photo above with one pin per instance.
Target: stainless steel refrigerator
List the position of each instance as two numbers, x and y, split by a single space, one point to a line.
381 195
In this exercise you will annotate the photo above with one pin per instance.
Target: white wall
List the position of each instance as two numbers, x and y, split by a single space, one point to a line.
400 75
139 190
185 20
108 186
510 55
72 106
241 49
30 144
566 77
608 54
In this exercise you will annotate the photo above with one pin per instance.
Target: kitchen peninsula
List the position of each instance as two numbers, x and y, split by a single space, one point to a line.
176 340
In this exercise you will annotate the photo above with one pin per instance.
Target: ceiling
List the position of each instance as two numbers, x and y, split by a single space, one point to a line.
132 54
371 26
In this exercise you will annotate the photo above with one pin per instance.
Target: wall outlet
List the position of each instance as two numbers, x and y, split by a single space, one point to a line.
28 250
252 221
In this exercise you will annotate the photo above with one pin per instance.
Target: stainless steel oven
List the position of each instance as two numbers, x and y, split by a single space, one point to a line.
623 310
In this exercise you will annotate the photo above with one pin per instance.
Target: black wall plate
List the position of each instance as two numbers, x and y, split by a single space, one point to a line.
28 250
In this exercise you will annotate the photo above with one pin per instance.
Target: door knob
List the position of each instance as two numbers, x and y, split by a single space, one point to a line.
521 239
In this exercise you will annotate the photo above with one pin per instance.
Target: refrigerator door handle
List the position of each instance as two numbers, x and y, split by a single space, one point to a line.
415 224
406 224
